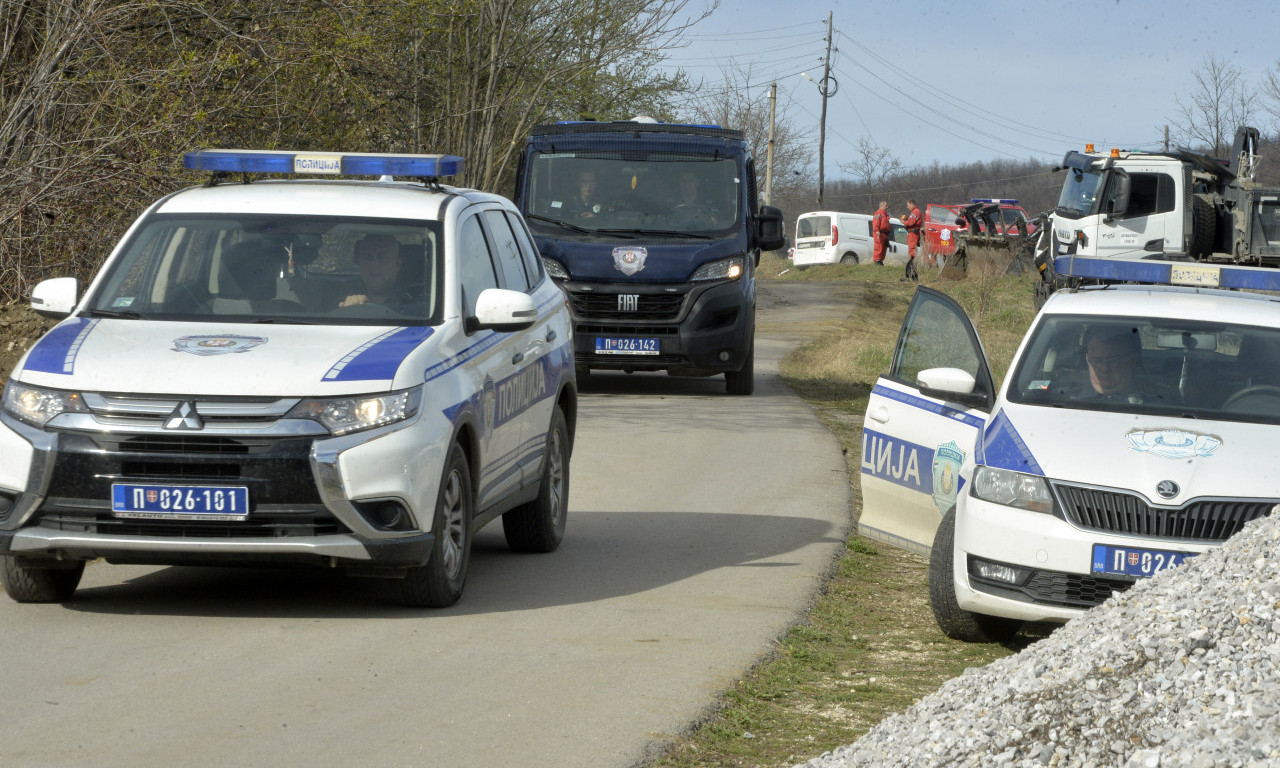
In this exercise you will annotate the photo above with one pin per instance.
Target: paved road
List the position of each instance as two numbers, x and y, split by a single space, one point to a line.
700 526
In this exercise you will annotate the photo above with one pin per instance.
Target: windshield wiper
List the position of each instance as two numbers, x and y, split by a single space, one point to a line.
658 232
126 314
559 223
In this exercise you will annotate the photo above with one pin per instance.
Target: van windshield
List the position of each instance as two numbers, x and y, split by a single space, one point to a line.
659 192
290 269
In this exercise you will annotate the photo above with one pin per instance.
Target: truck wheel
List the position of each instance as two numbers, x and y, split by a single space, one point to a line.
1203 227
539 525
849 258
438 584
955 622
26 583
743 382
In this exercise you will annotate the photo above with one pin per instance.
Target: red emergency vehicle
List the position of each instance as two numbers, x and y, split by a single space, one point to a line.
940 225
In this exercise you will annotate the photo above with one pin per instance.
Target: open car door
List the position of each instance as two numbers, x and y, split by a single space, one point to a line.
922 422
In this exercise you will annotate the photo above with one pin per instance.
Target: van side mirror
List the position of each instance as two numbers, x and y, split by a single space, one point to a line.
767 229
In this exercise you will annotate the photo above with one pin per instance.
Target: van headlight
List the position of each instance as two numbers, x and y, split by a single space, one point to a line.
721 269
344 415
37 406
555 270
1012 489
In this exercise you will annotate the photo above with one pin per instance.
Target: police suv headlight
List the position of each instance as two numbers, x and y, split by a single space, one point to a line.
344 415
722 269
555 269
37 406
1012 489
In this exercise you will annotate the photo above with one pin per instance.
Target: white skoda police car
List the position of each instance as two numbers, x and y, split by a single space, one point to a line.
1136 428
349 373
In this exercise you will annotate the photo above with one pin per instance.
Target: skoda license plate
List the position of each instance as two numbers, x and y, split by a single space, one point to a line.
609 345
180 502
1135 562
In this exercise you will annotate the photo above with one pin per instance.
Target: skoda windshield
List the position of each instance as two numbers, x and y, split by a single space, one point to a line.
620 192
238 268
1157 366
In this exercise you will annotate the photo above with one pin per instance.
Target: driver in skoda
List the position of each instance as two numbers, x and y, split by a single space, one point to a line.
1114 358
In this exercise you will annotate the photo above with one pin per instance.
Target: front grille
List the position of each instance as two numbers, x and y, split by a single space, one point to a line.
1068 590
177 444
651 307
1209 520
1072 590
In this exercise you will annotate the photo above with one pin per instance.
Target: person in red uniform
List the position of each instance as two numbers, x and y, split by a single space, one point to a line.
881 228
912 221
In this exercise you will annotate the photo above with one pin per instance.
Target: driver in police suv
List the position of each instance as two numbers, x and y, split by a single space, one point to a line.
378 257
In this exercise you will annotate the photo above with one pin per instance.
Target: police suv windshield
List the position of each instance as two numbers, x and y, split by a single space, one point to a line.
1179 368
628 191
250 268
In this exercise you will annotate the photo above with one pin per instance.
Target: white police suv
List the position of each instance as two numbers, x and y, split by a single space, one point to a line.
350 373
1136 428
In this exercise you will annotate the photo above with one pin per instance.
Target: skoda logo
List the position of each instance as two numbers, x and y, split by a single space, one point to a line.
1167 489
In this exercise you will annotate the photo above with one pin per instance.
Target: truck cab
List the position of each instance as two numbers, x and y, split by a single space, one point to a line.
654 231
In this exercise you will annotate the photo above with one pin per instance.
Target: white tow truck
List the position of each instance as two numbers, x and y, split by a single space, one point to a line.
1164 210
1135 429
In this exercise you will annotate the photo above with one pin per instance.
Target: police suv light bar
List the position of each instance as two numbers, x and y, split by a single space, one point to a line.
1169 273
322 163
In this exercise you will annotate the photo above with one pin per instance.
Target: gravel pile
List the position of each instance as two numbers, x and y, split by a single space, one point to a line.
1180 670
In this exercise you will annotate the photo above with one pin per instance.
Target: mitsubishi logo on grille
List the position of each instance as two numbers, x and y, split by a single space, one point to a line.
628 302
184 417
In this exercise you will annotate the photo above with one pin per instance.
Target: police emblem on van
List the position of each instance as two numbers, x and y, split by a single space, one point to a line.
629 259
217 345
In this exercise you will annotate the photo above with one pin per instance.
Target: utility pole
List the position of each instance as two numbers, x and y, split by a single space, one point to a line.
825 89
768 163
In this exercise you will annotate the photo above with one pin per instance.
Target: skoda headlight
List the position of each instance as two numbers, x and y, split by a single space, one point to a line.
37 405
721 269
343 415
1012 489
555 269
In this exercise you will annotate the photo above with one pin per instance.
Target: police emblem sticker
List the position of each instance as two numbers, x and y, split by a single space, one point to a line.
217 345
488 406
1173 443
947 461
629 259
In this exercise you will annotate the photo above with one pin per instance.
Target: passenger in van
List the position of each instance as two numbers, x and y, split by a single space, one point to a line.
378 257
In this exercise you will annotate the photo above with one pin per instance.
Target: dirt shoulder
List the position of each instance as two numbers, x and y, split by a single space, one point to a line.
20 327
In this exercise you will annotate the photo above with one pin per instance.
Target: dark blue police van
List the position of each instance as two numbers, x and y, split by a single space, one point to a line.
654 232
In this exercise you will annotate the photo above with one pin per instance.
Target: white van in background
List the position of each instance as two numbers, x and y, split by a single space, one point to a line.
829 237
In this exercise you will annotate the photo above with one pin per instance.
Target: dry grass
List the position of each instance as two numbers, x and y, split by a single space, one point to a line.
869 646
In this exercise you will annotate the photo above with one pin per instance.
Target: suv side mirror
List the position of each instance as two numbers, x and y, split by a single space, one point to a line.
768 234
504 310
54 298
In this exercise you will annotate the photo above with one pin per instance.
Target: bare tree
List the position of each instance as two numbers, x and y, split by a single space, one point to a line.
1270 95
873 164
741 101
1219 103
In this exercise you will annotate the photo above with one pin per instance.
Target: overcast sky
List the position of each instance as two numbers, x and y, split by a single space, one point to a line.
957 82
